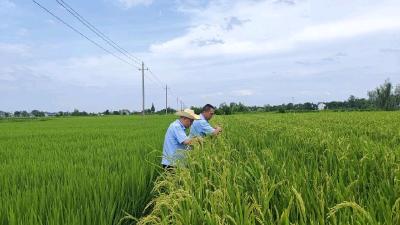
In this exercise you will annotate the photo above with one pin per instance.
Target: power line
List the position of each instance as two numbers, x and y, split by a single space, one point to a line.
183 105
155 80
100 34
174 94
156 77
107 40
80 33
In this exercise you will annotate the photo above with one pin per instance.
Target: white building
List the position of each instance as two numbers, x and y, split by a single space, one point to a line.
124 112
321 106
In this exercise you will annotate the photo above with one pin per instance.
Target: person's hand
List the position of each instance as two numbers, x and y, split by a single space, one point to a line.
198 139
218 129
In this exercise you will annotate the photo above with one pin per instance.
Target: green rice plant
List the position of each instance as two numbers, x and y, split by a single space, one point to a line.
288 169
364 216
319 168
78 170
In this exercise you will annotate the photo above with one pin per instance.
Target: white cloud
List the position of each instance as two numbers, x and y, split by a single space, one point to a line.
265 27
22 32
6 74
253 51
132 3
242 92
92 71
349 28
211 96
5 4
50 21
14 49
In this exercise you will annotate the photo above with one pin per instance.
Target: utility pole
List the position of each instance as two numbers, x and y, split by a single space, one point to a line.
166 100
294 108
181 105
143 69
177 104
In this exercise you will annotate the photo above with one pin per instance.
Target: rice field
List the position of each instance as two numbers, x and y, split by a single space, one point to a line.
77 170
312 168
308 168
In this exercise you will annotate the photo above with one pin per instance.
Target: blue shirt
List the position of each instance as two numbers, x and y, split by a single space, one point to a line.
173 141
201 127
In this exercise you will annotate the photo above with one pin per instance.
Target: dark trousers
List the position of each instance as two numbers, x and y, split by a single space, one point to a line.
168 167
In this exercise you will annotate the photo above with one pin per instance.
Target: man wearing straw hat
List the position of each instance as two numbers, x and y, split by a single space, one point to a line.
176 138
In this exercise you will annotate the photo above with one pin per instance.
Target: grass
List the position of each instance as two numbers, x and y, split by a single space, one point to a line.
313 168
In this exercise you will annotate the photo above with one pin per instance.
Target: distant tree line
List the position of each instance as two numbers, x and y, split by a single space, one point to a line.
384 97
76 112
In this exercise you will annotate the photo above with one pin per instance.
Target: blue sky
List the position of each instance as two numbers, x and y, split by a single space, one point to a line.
254 51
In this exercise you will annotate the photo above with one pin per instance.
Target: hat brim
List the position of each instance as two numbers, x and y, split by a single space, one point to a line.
188 115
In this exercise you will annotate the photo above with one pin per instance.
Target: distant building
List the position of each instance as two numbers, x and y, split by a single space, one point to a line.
124 112
321 106
47 114
2 114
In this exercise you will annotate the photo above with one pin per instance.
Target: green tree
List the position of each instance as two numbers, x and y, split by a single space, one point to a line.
309 106
153 109
196 110
225 109
75 112
37 113
24 113
352 101
397 96
242 108
162 111
382 96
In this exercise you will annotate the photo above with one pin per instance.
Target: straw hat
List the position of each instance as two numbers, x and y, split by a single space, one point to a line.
188 113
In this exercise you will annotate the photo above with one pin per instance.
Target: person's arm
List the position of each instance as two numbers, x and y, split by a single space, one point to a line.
209 130
183 139
190 141
187 141
217 130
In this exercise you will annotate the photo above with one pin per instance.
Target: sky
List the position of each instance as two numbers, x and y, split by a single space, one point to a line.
206 51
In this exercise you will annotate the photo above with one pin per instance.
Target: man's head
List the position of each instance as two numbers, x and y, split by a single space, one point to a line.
187 117
208 111
187 122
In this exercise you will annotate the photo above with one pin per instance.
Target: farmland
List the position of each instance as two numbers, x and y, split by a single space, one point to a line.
308 168
77 170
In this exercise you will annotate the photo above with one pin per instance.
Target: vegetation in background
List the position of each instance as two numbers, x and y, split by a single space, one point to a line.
384 97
